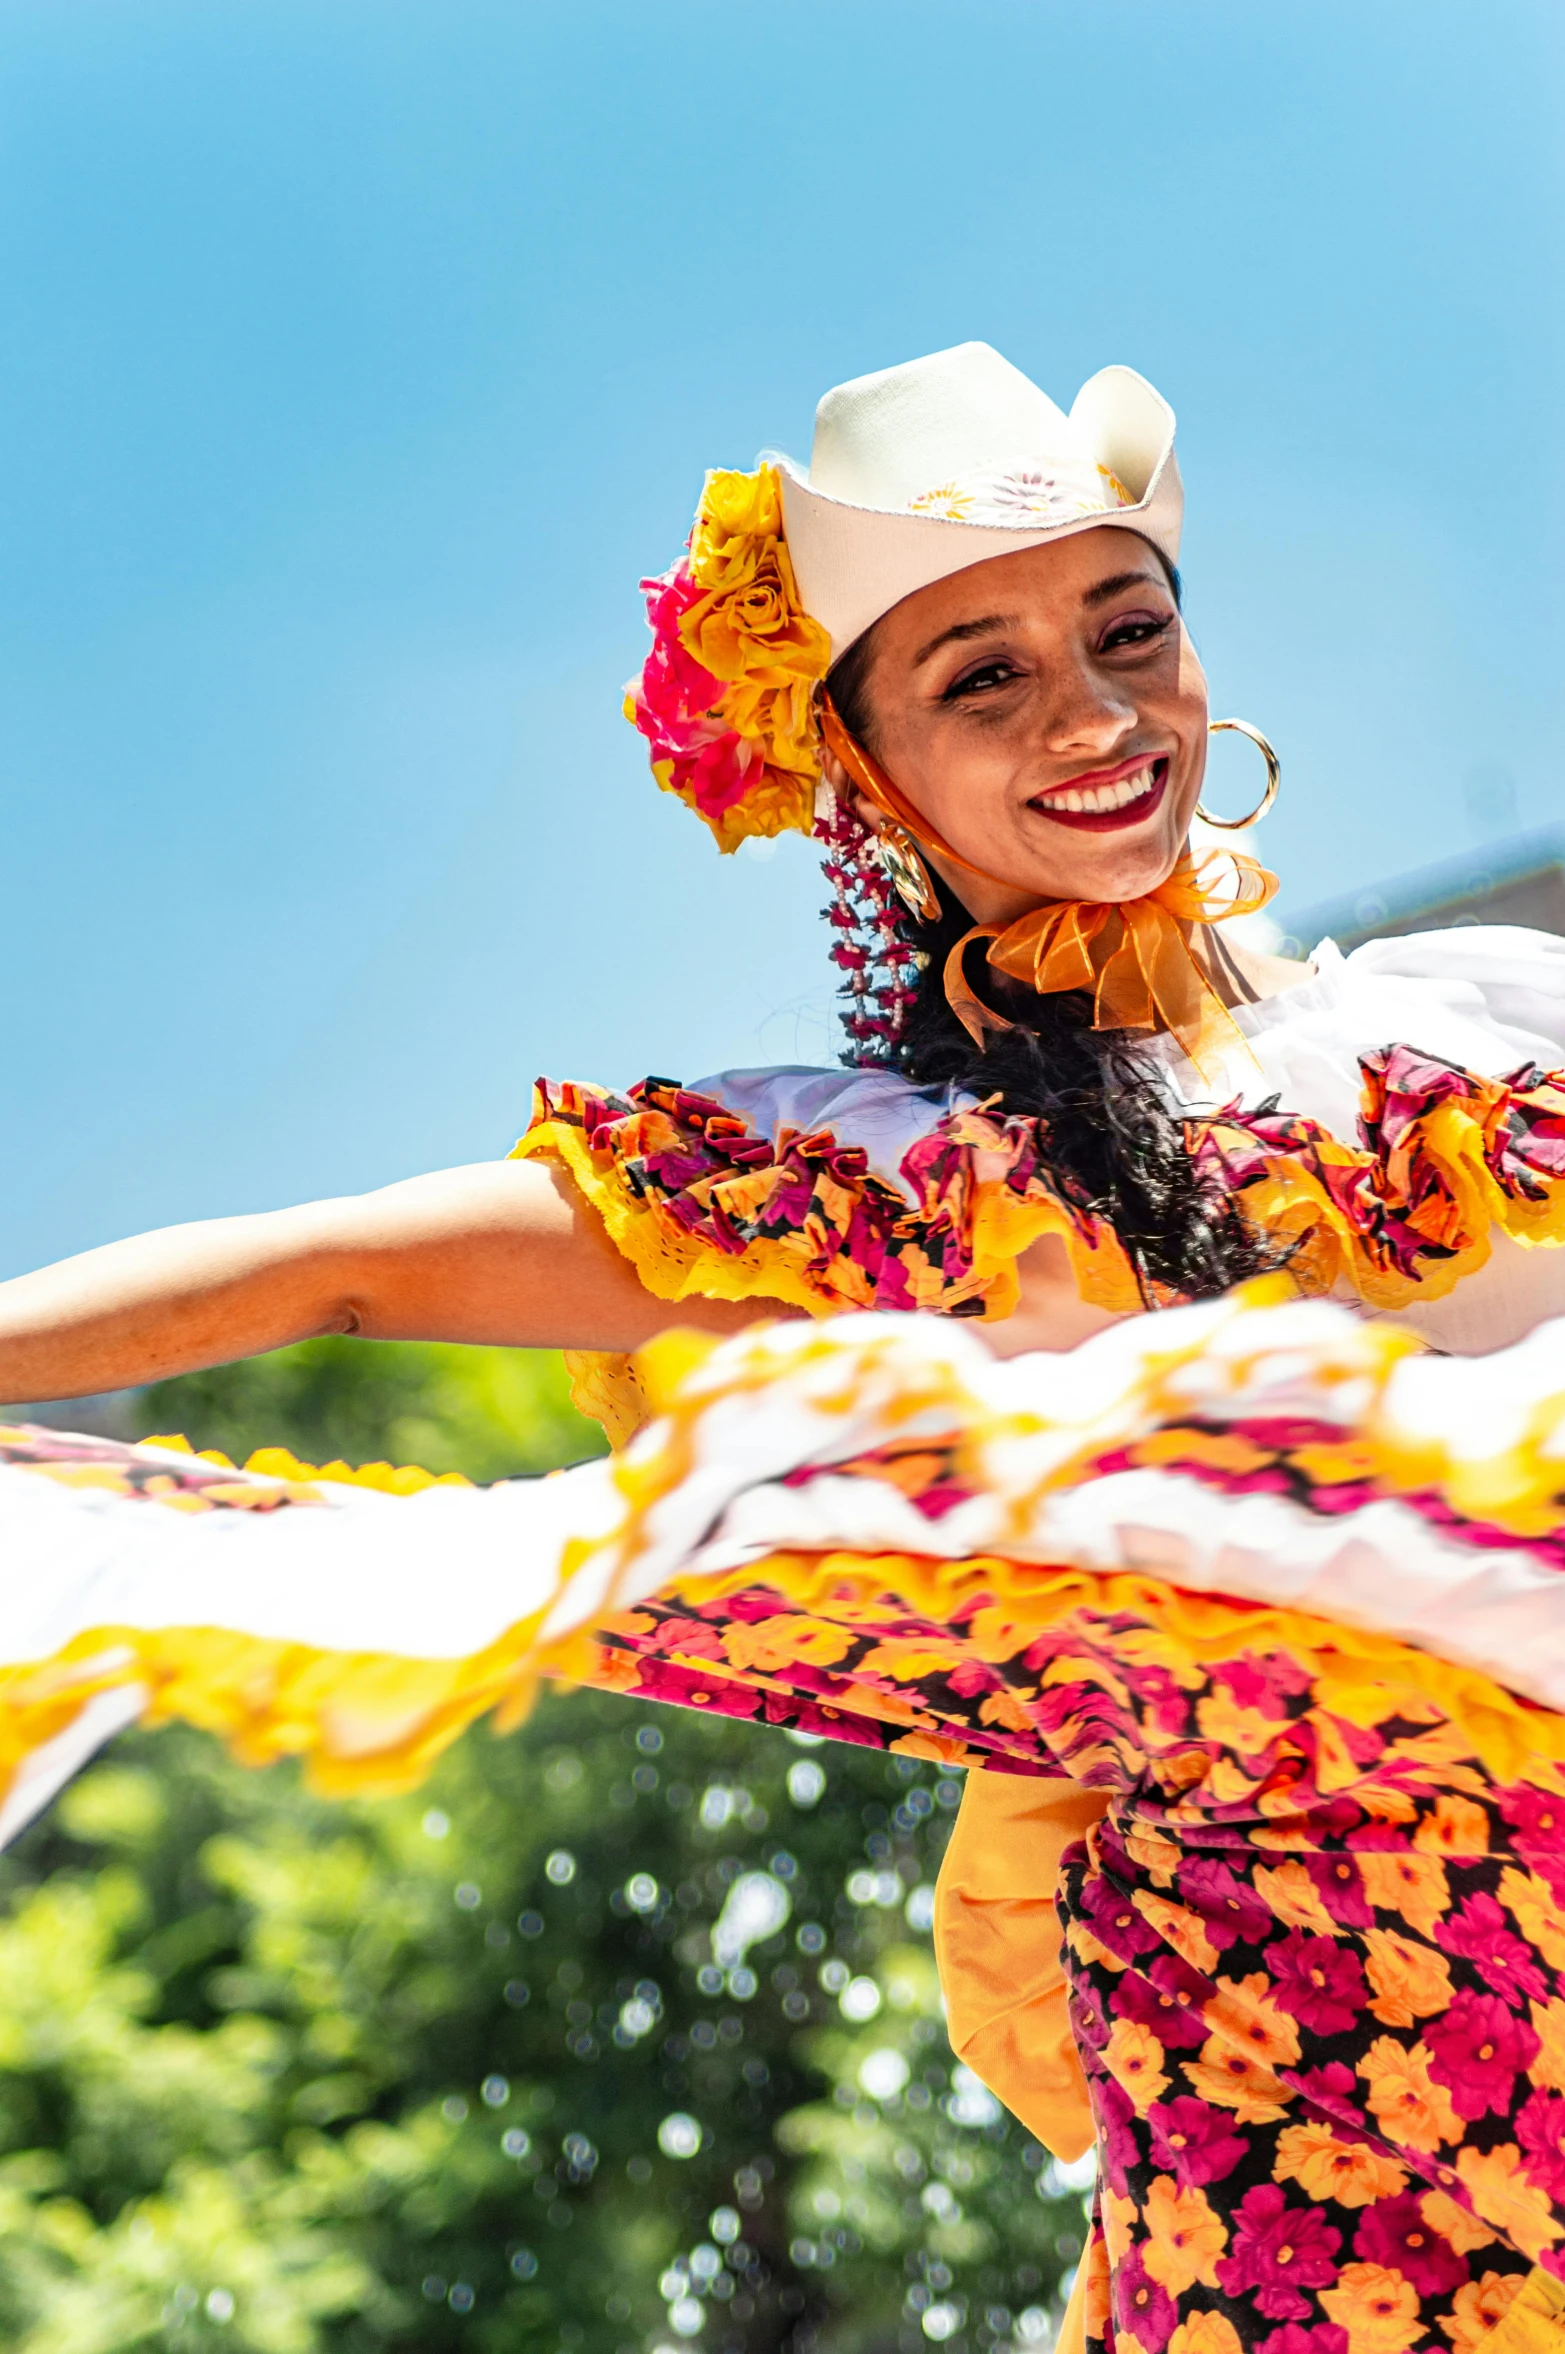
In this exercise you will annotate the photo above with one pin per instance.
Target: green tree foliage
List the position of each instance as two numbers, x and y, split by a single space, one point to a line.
493 1413
621 2035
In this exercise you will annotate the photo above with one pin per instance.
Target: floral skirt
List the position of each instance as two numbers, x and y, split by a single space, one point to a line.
1326 2057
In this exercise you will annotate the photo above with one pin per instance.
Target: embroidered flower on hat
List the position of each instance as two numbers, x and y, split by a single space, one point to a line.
1024 493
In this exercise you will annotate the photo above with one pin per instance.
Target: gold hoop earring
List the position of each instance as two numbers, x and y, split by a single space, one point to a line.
1236 825
907 874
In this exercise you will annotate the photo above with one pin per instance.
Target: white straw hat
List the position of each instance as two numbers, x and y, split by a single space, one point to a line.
920 471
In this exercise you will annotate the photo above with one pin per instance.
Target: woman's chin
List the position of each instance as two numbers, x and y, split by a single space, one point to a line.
1118 870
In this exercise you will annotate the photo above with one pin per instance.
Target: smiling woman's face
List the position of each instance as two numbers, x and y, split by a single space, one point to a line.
1047 714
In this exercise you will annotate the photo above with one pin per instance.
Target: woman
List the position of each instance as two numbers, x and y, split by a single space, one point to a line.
1303 1832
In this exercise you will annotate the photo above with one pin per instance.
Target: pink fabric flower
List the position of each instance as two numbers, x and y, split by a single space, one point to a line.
1279 2253
1229 1907
1330 2096
1324 2338
1476 2048
1480 1933
1318 1983
1114 1920
1394 2232
1258 1682
1540 2130
1193 2141
1142 2304
1115 2111
1341 1890
1153 2003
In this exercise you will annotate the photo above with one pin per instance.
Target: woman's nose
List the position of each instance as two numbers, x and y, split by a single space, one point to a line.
1089 714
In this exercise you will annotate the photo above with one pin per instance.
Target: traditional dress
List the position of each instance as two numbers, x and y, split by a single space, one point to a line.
1253 1612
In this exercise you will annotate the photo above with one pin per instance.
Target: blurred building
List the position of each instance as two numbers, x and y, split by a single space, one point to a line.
1521 881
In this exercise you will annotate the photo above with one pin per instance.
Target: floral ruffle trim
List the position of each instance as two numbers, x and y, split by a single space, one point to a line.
1445 1158
702 1205
935 1654
891 1651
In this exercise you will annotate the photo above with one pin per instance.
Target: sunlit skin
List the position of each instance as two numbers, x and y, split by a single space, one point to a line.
1064 670
1061 671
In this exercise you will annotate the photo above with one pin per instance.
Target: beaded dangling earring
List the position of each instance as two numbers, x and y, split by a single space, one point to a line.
880 974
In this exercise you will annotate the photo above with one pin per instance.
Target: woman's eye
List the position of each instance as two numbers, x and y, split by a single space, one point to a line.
983 680
1135 629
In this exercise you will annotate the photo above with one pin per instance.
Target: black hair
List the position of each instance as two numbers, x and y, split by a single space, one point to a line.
1110 1142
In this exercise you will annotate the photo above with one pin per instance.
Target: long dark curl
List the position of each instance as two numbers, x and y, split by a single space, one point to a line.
1112 1145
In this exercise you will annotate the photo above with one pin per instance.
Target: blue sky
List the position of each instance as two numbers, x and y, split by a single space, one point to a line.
360 354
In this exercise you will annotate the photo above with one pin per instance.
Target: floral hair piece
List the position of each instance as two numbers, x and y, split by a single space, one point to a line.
726 697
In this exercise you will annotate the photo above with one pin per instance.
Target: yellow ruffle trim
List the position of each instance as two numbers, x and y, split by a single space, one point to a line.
375 1724
389 1479
1354 1671
372 1722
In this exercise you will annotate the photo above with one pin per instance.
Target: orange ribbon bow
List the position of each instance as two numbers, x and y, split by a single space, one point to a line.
1134 954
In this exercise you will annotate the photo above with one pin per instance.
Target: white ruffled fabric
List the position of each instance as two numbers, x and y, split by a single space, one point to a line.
355 1578
1488 998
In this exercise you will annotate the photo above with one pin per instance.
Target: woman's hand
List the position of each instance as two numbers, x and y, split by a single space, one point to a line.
503 1251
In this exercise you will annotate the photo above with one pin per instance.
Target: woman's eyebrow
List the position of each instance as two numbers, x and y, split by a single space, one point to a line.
1101 591
963 629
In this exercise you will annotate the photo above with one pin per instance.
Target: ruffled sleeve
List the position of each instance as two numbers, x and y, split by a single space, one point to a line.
896 1200
825 1190
1446 1159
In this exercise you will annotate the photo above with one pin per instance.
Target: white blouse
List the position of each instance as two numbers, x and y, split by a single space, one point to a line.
1488 998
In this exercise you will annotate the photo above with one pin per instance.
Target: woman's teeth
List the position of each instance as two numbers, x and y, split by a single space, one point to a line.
1091 800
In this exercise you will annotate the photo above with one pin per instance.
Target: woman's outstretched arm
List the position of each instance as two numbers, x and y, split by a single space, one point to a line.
502 1251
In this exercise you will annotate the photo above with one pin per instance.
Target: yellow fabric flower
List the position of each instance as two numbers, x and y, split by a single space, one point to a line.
1294 1898
1536 1914
750 620
1376 2306
1457 1828
1184 1931
1184 2237
1231 2079
771 1644
1119 2220
737 511
1548 2066
1243 2012
1504 2197
1246 1730
1157 1856
1409 1981
1134 2058
1479 2306
1457 2224
1097 2294
1413 1885
1205 2333
1324 2168
1408 2104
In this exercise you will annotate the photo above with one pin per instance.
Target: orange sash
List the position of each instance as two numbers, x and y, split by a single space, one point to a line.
1134 955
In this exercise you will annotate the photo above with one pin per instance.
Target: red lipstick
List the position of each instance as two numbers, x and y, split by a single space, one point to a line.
1099 786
